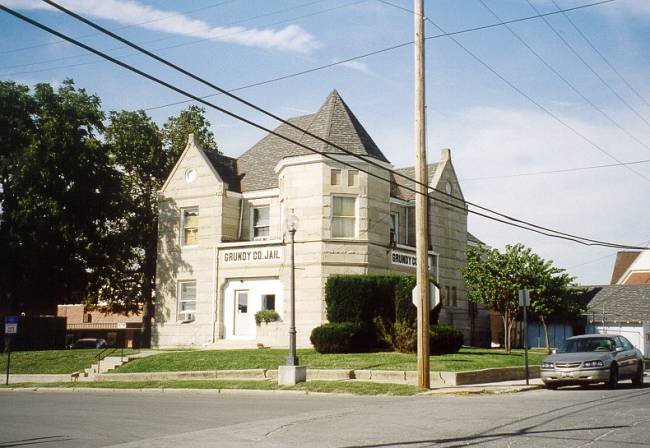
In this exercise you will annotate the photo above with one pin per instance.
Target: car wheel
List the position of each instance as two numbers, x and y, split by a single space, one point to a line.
613 377
638 378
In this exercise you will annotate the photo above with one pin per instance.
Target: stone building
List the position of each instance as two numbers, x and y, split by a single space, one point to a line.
224 252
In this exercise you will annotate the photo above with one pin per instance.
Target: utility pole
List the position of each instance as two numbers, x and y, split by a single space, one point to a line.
421 201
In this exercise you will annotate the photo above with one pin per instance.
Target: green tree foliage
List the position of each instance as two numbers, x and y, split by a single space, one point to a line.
175 131
494 279
60 194
79 201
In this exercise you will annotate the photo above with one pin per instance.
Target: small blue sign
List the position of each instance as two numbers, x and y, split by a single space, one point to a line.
11 325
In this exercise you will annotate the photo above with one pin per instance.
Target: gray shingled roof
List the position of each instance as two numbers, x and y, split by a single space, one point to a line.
334 122
226 167
402 188
622 302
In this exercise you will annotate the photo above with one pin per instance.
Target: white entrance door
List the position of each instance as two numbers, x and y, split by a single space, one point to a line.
243 316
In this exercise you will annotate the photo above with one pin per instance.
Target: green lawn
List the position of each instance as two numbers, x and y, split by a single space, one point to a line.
466 359
53 361
356 387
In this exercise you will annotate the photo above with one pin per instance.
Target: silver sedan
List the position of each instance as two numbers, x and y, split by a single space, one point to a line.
593 358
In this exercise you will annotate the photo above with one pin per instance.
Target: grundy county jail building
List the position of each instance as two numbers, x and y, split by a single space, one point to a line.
224 253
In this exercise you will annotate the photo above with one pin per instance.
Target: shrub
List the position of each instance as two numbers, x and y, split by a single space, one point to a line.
359 298
445 339
442 339
340 337
266 316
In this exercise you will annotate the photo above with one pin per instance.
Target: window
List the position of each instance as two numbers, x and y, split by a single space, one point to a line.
448 296
186 300
344 216
454 297
268 301
335 177
353 178
190 225
261 222
394 228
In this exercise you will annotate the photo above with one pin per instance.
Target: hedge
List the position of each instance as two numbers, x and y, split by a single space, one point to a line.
340 337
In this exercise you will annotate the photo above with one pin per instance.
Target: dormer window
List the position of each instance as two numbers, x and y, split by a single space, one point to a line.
261 222
190 226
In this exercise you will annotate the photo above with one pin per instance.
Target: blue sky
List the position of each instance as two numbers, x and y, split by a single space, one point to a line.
493 131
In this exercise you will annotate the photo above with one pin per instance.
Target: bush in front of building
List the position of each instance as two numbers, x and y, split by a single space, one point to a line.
443 339
266 316
340 337
360 298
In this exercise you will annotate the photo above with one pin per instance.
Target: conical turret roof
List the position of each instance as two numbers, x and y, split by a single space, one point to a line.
333 122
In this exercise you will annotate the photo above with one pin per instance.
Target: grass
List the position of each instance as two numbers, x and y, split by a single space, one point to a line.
466 359
356 387
52 361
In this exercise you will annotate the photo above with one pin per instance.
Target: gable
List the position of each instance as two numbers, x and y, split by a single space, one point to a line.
192 173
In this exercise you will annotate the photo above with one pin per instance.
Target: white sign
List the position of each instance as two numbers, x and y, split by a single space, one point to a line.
121 325
11 324
252 255
434 296
524 297
406 259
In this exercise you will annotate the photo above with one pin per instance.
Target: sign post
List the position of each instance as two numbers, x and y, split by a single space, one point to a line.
11 329
524 300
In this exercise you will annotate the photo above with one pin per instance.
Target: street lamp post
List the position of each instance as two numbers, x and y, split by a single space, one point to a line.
292 373
292 359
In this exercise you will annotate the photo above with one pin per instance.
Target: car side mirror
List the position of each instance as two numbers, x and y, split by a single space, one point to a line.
618 349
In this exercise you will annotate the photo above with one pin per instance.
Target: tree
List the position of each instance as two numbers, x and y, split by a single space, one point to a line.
494 279
553 296
59 194
144 155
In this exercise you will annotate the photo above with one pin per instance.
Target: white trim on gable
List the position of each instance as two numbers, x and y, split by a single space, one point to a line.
192 142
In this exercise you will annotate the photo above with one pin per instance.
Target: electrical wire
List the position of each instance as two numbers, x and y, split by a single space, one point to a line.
556 234
566 170
566 81
525 95
288 123
591 69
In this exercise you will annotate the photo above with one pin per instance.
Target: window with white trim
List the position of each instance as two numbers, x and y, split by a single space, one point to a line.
186 300
190 226
344 216
261 222
268 301
335 176
353 178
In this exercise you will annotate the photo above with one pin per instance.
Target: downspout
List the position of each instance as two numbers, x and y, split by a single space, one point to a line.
215 266
241 218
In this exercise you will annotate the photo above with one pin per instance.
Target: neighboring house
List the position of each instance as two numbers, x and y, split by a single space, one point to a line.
224 252
623 310
119 330
631 268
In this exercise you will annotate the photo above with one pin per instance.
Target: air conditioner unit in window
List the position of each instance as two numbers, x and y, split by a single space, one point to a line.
187 317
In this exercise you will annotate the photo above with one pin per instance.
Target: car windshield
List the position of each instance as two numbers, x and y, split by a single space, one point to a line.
587 345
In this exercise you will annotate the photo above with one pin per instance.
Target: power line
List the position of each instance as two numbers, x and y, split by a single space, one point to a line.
288 123
586 64
525 95
182 44
47 44
566 170
593 47
236 22
566 81
559 235
365 55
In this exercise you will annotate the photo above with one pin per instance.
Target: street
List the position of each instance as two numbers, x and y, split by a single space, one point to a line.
570 417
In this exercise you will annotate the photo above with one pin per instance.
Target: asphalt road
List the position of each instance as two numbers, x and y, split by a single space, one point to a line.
571 417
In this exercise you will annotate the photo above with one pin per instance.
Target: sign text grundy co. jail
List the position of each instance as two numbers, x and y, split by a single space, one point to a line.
262 255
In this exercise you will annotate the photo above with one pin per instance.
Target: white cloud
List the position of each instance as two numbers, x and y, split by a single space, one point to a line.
291 37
